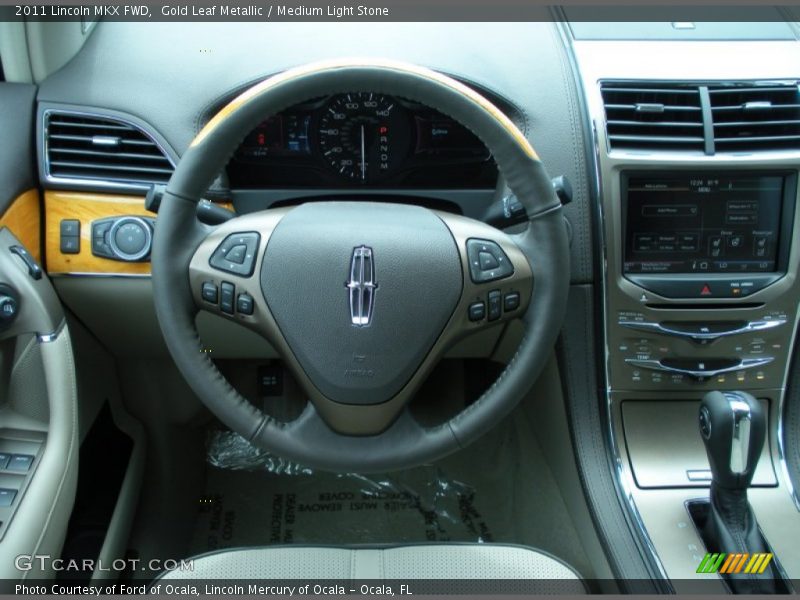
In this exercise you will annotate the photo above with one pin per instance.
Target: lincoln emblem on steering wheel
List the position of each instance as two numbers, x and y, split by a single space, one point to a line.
361 286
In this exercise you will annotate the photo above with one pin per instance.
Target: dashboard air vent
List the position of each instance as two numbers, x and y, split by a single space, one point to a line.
102 149
755 117
653 116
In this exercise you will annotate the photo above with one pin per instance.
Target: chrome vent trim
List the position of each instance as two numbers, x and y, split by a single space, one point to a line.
98 150
755 117
653 116
733 117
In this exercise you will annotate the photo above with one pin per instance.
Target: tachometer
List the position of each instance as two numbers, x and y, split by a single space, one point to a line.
359 135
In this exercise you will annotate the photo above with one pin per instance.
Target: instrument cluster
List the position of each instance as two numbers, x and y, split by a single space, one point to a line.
361 139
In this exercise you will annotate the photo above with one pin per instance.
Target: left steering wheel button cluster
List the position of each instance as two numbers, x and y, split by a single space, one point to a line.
487 261
237 254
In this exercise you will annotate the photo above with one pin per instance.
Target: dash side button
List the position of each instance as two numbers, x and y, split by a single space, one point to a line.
70 245
70 228
4 458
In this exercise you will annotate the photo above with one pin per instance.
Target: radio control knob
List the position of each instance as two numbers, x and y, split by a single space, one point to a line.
130 238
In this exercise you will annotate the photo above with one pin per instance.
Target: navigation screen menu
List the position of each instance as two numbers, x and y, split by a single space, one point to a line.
691 224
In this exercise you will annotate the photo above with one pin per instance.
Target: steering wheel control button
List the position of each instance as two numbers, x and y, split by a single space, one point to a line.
237 254
495 305
477 311
511 301
227 293
21 463
7 497
70 236
487 261
210 292
245 304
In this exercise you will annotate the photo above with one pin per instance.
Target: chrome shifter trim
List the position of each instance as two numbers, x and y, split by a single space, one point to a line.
740 440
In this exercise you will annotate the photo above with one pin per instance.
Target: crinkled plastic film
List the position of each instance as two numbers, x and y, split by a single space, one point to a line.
255 497
229 450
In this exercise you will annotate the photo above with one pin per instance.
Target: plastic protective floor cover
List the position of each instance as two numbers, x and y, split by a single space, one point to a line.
497 490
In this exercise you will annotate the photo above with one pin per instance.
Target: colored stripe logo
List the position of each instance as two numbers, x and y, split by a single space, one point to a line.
731 564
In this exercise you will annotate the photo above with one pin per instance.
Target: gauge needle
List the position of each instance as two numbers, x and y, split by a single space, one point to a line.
363 157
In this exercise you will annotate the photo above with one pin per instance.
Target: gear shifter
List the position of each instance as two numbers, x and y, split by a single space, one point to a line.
733 427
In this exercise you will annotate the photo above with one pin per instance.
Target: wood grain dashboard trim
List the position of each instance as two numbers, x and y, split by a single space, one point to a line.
87 207
24 218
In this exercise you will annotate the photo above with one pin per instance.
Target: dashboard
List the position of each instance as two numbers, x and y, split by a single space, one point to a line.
683 220
361 139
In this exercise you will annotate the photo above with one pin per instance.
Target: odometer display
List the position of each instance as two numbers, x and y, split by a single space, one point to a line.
363 135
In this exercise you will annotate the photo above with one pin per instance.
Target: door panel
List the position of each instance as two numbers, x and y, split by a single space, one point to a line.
38 396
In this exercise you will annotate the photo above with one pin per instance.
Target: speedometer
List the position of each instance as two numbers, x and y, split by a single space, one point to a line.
360 136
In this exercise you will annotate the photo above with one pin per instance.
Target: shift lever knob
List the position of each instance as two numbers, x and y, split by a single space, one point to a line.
733 427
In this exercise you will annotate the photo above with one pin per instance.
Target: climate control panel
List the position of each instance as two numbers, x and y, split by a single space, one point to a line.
652 353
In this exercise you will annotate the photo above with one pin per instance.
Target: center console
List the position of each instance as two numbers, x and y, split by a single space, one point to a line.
700 289
702 273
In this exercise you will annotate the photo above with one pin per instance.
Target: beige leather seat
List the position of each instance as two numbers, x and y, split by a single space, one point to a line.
428 561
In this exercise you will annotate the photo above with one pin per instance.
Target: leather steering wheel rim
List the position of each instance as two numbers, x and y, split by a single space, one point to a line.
309 440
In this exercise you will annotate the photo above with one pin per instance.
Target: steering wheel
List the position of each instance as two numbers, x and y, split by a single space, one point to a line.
360 299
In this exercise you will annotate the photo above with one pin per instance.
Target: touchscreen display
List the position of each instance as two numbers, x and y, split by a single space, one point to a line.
701 224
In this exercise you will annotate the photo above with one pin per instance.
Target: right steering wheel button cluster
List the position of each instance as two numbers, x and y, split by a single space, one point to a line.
487 261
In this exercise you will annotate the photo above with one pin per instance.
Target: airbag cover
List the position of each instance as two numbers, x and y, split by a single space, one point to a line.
307 266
